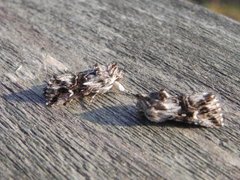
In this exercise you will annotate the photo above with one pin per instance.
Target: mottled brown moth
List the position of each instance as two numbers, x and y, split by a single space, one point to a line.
61 89
200 109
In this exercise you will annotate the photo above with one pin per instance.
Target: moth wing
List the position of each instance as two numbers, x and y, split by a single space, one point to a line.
59 88
206 110
158 107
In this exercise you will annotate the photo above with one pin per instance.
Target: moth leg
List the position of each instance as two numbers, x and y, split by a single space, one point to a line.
93 97
70 98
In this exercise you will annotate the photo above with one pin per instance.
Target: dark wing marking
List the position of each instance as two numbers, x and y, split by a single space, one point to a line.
202 109
59 88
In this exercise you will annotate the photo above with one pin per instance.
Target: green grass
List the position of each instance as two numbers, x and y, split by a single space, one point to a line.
229 9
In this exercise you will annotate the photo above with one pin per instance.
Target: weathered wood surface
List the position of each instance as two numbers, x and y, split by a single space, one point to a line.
172 44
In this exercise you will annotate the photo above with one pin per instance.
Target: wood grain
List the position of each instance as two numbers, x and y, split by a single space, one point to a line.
159 44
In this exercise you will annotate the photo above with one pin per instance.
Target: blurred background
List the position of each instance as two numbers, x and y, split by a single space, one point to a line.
230 8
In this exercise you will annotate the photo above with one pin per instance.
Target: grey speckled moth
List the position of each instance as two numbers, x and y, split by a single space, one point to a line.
98 80
200 109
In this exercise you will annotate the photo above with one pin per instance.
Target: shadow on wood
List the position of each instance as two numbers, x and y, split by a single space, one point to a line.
32 95
126 116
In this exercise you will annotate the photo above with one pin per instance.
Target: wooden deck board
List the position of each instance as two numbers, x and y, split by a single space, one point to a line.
159 44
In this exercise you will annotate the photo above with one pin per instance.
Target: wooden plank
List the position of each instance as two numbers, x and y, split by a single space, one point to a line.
172 44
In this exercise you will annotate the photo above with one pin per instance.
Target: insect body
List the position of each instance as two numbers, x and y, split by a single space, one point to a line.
201 109
98 80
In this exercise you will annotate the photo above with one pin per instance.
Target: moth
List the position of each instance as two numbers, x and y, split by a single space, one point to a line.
61 89
200 109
